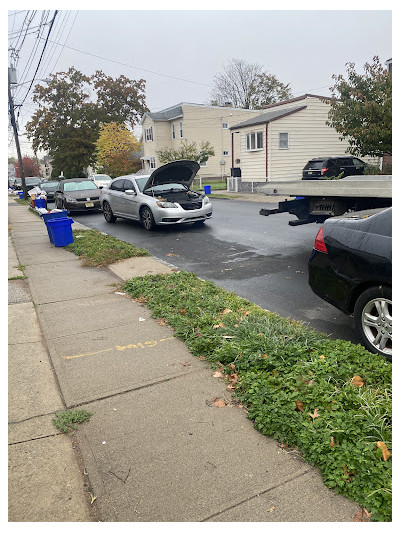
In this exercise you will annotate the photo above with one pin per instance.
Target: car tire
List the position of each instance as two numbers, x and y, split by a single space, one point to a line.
373 320
147 219
108 214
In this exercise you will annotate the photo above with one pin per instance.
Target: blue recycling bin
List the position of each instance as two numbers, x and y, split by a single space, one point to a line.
61 230
21 195
207 189
47 216
40 202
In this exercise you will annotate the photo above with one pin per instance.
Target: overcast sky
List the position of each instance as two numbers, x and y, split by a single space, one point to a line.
179 52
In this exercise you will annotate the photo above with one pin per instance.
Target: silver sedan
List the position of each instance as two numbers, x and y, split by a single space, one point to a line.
161 198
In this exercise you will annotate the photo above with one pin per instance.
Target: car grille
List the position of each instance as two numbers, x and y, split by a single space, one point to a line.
189 206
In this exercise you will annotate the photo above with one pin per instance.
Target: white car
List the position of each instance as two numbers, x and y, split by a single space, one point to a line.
101 180
161 198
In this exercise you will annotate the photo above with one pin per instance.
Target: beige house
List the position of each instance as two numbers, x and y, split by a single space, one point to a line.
193 122
278 143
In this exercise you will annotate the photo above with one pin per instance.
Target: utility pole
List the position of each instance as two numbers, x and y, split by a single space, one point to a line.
14 125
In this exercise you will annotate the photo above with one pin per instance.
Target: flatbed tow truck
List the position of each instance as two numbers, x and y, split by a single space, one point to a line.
317 200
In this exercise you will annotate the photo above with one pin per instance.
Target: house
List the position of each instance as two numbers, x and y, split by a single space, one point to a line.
277 144
193 123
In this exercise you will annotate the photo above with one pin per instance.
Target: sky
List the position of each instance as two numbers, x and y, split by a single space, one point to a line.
178 52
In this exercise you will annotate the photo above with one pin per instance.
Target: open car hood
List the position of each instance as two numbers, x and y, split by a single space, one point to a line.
182 171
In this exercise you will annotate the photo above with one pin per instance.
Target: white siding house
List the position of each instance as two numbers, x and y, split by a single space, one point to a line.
193 123
278 143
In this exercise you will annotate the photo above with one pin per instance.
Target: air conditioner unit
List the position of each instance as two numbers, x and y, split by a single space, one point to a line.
222 162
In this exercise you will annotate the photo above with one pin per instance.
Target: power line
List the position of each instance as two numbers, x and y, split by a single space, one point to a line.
41 56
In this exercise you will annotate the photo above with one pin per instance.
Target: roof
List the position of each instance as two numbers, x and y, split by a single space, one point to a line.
268 117
176 111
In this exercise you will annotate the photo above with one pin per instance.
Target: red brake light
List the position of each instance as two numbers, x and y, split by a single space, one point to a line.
323 170
319 242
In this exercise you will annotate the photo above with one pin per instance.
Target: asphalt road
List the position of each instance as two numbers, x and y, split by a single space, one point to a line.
260 258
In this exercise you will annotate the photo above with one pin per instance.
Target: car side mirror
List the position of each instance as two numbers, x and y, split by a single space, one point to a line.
130 191
100 186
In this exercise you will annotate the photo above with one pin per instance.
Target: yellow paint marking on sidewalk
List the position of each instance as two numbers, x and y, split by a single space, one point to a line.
146 344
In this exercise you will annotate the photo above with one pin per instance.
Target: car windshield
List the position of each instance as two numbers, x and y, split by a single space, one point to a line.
141 182
102 177
48 185
32 181
79 186
314 164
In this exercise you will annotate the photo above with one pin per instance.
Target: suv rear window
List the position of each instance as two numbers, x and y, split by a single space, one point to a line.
314 164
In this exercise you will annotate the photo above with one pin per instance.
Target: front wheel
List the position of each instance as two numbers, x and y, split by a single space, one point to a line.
373 320
147 219
108 214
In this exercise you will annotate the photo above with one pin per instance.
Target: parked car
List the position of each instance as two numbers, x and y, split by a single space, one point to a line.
49 187
101 180
30 183
162 198
351 268
328 167
77 194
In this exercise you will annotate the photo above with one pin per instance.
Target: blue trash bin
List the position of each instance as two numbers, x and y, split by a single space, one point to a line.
21 195
61 230
40 202
207 189
47 216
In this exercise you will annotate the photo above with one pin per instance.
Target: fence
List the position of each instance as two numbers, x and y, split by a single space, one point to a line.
237 185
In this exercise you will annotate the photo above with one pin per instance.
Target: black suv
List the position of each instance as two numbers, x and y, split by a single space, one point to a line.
330 167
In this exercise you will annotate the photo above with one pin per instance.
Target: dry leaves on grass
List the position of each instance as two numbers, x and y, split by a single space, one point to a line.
314 415
362 516
357 381
384 449
219 402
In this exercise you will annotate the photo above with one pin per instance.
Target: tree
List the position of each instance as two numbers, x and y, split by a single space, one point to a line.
247 86
116 148
187 151
361 109
29 165
67 123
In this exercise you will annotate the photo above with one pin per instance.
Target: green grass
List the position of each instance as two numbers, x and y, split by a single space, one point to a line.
215 184
98 249
21 201
287 371
67 421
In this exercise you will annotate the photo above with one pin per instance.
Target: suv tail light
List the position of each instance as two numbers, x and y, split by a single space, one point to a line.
319 242
323 170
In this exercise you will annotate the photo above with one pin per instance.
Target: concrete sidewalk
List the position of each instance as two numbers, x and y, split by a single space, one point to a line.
156 449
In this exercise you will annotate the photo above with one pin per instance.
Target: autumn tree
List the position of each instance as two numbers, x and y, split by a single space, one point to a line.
71 109
29 165
116 148
248 86
361 109
187 150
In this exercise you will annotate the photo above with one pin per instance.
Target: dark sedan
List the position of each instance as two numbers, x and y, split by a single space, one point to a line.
30 183
351 268
49 187
77 194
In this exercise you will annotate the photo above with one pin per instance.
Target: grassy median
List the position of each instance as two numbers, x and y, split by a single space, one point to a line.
329 399
98 249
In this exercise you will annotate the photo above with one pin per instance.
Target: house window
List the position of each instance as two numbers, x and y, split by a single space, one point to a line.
148 134
254 141
283 141
225 125
181 130
225 152
173 131
152 162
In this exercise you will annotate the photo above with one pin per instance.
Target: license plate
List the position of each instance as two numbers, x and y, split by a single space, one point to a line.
89 204
310 173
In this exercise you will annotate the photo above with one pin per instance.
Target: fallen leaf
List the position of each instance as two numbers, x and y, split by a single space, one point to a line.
226 311
231 386
348 475
216 326
362 516
182 311
314 415
333 444
202 358
172 255
219 402
233 378
232 366
299 406
162 322
218 374
384 449
322 356
357 381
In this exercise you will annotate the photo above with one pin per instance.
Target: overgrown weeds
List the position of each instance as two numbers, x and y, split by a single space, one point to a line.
67 421
330 399
98 249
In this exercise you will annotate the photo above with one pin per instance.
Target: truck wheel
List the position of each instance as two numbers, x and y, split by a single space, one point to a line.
373 320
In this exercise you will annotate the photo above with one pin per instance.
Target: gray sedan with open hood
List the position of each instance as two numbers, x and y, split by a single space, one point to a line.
161 198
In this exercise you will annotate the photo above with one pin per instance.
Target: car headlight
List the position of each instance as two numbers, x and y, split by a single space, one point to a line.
206 200
71 200
166 204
